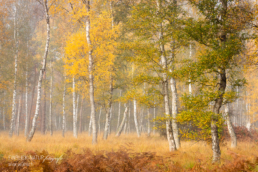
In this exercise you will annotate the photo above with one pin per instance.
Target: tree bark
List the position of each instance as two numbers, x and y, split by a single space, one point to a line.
50 101
109 110
149 128
74 111
122 125
135 117
26 128
230 127
63 125
80 126
33 129
4 112
91 78
43 122
99 118
15 74
119 111
18 116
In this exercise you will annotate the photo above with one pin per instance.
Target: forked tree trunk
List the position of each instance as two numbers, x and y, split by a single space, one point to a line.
122 125
15 75
34 121
63 125
91 82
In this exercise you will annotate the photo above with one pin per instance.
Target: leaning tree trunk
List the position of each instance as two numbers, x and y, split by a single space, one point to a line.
109 110
42 71
91 82
63 125
50 100
15 75
74 111
122 125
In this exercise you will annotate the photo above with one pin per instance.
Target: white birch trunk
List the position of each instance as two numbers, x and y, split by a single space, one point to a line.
15 74
122 125
90 127
18 116
119 111
50 101
91 82
230 127
4 113
42 70
170 135
99 118
74 111
109 110
63 125
77 112
154 115
26 128
135 117
149 128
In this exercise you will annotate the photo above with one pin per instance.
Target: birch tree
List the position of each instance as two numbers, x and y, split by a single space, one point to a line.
42 70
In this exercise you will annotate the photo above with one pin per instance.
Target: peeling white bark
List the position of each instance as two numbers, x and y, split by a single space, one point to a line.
42 70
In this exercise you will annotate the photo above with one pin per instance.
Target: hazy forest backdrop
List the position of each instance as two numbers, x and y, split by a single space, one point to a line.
162 73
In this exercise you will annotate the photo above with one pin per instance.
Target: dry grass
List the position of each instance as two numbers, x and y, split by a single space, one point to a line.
188 155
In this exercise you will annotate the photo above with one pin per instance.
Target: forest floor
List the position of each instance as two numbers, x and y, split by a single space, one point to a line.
124 153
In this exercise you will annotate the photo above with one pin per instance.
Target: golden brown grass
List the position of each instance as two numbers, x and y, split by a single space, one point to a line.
188 155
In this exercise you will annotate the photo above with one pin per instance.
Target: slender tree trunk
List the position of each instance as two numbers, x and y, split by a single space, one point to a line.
80 127
122 125
119 111
50 100
43 122
109 110
32 97
74 111
174 112
135 117
4 113
90 127
230 127
169 130
42 71
91 80
63 125
154 114
18 116
26 128
149 128
129 117
15 74
99 118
